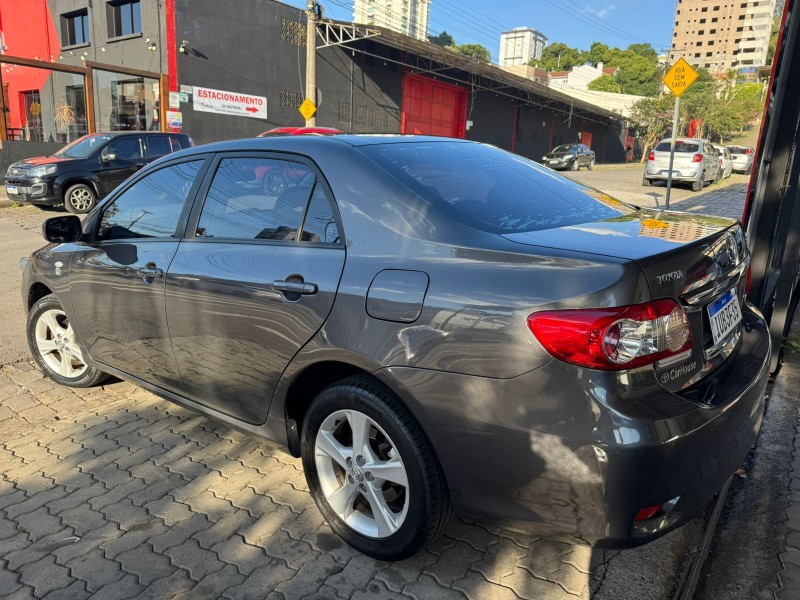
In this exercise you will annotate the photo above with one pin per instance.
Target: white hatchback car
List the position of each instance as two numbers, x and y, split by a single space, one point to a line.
696 162
725 161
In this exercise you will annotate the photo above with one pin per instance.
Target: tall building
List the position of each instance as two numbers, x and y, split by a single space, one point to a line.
520 46
405 16
722 34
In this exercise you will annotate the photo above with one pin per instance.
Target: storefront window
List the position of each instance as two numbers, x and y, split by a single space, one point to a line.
43 105
125 102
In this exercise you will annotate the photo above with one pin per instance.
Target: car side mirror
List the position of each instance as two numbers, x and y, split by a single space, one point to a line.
61 230
108 157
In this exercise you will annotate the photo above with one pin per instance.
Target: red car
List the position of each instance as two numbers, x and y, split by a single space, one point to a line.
300 131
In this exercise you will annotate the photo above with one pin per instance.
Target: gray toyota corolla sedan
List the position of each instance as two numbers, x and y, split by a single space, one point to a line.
432 325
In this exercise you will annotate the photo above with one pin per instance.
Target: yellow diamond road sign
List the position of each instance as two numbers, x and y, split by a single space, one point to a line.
680 77
307 109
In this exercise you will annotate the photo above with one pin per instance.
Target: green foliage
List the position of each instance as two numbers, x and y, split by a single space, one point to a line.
443 40
560 57
473 50
604 83
653 118
773 39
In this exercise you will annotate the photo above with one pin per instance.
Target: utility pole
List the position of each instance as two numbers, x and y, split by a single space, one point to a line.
311 58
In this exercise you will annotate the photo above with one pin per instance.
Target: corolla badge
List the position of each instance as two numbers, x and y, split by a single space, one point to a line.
667 277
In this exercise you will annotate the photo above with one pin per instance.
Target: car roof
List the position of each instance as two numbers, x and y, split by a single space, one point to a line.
124 133
306 143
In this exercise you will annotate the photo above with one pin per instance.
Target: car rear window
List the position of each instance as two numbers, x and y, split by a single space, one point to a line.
490 189
737 150
679 146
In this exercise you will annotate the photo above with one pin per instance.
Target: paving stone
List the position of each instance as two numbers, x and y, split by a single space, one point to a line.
237 552
9 581
180 533
427 588
145 564
298 526
525 585
22 593
376 591
310 578
155 490
126 514
36 501
134 537
298 501
792 556
95 569
44 576
475 535
83 519
294 553
187 468
223 529
325 541
402 573
260 582
356 574
168 587
168 510
83 545
208 504
116 494
38 523
127 587
544 558
271 519
789 579
194 559
475 587
453 563
214 585
570 579
75 591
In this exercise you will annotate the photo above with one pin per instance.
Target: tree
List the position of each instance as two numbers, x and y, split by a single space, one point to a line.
644 50
444 39
773 39
604 83
559 57
475 51
652 117
638 74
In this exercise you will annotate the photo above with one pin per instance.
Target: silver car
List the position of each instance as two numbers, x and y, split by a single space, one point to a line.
742 157
725 161
696 162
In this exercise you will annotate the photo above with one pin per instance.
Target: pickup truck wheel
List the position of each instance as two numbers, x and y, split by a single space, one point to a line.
79 198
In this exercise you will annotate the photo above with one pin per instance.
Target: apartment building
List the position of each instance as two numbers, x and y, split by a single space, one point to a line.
520 46
409 17
722 35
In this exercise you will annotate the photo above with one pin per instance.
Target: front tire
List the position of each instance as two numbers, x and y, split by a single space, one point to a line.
55 348
575 166
372 472
591 165
79 199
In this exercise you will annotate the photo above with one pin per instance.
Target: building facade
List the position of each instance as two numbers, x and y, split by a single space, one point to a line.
409 17
520 46
720 35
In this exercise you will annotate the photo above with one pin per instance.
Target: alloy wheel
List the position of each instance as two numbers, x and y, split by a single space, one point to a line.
81 199
361 473
58 348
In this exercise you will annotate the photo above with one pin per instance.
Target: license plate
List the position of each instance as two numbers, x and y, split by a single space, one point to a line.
724 315
12 189
665 172
553 162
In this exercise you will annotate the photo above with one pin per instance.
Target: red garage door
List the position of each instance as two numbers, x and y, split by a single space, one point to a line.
431 107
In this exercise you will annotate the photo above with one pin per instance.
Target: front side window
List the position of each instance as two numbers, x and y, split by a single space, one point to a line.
256 199
75 28
124 18
151 207
126 149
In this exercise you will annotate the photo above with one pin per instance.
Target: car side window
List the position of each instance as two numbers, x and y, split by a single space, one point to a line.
256 199
126 149
152 206
320 223
158 145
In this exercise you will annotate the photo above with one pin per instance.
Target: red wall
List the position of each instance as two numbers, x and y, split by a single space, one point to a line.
28 31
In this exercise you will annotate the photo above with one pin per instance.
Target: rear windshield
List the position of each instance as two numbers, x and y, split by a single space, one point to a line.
679 146
738 150
493 190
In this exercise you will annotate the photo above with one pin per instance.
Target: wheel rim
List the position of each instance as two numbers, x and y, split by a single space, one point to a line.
58 348
361 474
275 183
81 199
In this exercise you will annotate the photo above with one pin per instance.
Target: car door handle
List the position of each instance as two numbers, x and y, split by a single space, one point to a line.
150 272
295 287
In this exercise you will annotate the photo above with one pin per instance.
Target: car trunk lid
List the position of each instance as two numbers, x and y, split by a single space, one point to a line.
699 261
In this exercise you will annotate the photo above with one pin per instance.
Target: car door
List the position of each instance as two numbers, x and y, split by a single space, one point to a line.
711 161
160 145
120 159
253 281
117 280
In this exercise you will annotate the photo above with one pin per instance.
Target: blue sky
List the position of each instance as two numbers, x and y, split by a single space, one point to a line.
574 22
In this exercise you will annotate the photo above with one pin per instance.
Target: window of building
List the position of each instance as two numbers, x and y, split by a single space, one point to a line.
697 55
704 9
75 28
701 32
124 18
714 20
709 54
716 8
152 206
712 31
699 44
711 42
701 20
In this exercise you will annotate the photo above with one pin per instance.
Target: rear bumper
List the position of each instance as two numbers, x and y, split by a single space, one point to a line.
576 454
655 174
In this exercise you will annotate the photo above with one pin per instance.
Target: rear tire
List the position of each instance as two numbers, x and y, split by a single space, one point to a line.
699 184
591 165
54 346
646 182
575 166
344 475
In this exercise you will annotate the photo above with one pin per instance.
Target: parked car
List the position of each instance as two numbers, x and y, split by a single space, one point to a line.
300 131
742 157
88 169
695 162
433 325
569 157
725 161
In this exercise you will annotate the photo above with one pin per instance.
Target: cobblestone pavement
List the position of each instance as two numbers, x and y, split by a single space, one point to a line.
112 492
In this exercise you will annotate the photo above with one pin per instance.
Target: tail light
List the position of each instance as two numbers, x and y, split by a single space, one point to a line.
697 158
651 156
748 280
747 151
614 339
